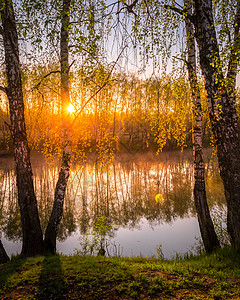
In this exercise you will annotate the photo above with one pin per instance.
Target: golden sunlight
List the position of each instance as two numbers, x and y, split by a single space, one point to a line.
71 108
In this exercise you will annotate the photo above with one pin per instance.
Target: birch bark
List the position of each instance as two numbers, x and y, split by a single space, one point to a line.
32 233
221 105
208 233
57 211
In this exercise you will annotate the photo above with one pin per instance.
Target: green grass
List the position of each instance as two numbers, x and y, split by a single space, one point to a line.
215 276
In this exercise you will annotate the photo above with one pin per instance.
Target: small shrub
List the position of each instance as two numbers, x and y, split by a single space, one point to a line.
96 241
160 254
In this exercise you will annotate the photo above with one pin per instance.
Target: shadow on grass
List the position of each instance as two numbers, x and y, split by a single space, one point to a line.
51 281
7 270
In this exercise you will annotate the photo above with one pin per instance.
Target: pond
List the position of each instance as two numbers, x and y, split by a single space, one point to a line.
123 191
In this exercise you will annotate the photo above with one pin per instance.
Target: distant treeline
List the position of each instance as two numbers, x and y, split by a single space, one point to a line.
113 113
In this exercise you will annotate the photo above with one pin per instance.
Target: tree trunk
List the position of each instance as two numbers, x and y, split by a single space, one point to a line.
222 111
32 233
57 211
208 233
3 255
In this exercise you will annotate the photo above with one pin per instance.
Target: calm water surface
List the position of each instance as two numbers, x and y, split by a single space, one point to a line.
124 191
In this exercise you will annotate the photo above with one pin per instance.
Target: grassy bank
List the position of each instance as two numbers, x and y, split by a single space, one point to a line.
215 276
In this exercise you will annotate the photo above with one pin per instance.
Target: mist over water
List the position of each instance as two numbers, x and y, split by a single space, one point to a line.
124 191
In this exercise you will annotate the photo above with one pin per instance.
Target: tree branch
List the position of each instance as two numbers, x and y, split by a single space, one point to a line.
8 125
71 64
182 12
148 12
129 7
3 89
100 88
182 59
37 85
51 89
188 64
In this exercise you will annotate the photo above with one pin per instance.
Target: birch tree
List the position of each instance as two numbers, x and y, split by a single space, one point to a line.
31 229
221 94
221 104
57 211
209 236
220 85
32 233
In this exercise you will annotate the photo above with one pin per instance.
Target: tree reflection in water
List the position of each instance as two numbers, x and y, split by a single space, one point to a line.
124 191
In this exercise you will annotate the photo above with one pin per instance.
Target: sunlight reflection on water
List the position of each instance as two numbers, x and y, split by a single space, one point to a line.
125 192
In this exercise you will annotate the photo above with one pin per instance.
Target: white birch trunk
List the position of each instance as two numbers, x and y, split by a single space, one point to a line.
222 110
32 233
57 211
208 233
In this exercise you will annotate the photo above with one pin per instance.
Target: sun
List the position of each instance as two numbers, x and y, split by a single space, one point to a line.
71 109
